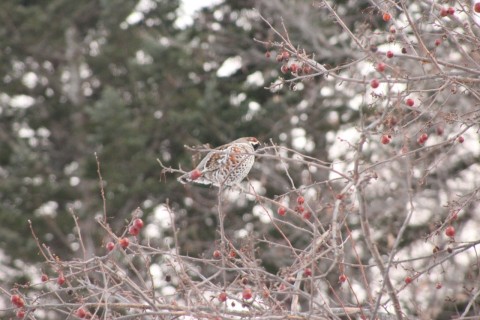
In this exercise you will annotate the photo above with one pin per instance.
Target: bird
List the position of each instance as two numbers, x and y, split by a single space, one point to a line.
226 165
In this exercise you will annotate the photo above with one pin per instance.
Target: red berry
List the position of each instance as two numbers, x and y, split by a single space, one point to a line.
408 280
17 301
267 54
222 297
386 138
306 69
247 293
476 7
293 68
307 215
134 231
444 12
138 223
232 254
81 313
282 211
20 314
381 67
110 246
14 298
284 69
389 54
44 278
217 254
285 55
386 17
300 200
342 278
60 279
438 42
307 272
450 231
451 11
374 83
461 139
195 174
299 209
124 242
439 130
410 102
438 285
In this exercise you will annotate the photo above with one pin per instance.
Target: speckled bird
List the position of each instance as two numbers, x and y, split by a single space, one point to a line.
226 165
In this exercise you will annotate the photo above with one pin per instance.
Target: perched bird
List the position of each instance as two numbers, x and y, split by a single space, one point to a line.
226 165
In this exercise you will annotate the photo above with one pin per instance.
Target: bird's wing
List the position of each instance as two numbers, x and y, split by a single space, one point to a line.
215 158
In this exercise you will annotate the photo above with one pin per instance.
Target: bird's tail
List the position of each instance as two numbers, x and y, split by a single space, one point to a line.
195 177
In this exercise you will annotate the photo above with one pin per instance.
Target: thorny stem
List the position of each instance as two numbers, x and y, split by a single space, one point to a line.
360 182
102 190
223 241
376 256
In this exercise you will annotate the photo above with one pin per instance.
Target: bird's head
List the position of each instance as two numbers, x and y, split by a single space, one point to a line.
253 142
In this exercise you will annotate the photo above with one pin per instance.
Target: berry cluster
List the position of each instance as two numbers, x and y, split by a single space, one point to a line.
299 208
247 294
422 139
291 65
136 226
134 230
18 302
450 230
450 11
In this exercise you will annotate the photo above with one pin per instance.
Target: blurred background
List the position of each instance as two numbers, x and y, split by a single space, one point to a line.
133 81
